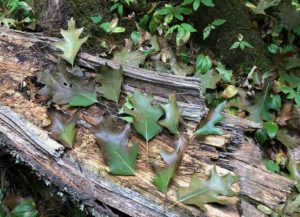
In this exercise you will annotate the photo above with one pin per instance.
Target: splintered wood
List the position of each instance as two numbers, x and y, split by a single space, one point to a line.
22 118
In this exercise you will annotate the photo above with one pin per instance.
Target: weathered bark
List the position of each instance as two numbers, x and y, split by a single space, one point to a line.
23 54
221 39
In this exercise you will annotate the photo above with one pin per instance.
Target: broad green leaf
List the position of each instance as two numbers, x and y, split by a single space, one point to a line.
292 80
206 32
164 176
111 82
96 19
208 80
121 156
130 58
187 2
218 22
62 128
226 74
84 99
145 115
25 209
235 45
271 129
118 29
201 191
207 125
261 136
273 48
72 42
203 64
272 166
208 3
135 37
188 27
172 113
196 4
7 22
62 85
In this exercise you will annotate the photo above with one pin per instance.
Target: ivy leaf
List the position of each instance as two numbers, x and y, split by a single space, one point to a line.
25 209
65 88
207 125
164 176
130 58
62 127
272 166
208 80
271 129
111 82
172 115
120 156
201 191
145 115
72 42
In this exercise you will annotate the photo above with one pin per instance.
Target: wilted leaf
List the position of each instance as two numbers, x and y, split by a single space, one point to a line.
180 68
265 4
111 82
172 115
62 128
7 22
293 169
72 42
208 80
285 114
207 125
64 86
121 156
212 190
287 140
164 176
130 58
230 91
25 209
145 115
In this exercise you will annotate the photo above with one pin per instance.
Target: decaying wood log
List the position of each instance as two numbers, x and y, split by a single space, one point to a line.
23 54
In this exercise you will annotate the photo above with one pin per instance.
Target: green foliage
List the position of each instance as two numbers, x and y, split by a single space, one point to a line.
163 178
271 129
62 128
292 94
172 118
72 43
65 87
145 115
226 74
183 33
241 43
287 140
197 3
207 30
135 37
262 5
208 80
120 156
130 58
170 12
203 64
111 82
201 191
26 208
96 19
272 166
207 125
112 27
261 136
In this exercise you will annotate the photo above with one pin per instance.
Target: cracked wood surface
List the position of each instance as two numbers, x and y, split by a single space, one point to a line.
21 58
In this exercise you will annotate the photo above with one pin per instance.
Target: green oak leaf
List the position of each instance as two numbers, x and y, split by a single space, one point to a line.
111 82
65 87
130 58
164 176
84 99
145 115
201 191
207 125
172 112
72 42
62 127
120 156
26 208
208 80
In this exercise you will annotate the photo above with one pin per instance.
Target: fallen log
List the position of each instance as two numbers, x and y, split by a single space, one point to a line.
24 54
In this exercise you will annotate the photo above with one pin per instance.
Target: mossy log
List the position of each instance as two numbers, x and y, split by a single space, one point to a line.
23 54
